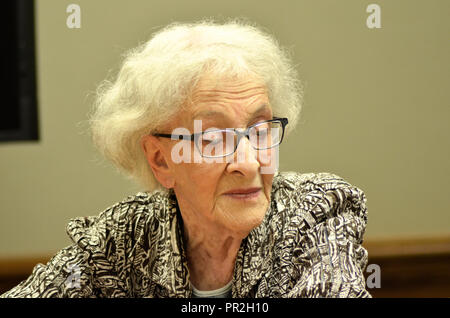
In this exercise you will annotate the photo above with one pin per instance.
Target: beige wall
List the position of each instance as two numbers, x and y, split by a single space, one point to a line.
376 109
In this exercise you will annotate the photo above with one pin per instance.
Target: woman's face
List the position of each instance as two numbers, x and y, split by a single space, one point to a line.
203 189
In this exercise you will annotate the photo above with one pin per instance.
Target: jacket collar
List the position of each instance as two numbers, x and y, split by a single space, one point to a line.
170 268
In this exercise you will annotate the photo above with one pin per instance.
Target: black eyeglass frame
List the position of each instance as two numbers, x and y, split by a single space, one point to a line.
246 133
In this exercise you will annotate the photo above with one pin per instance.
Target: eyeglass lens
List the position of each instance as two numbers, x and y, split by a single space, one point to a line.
219 143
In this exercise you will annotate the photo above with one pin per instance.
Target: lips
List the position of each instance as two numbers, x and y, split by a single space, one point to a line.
243 191
247 195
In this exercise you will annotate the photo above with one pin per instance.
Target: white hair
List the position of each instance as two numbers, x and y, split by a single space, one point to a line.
156 79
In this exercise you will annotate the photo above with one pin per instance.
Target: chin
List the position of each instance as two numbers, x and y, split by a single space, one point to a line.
245 222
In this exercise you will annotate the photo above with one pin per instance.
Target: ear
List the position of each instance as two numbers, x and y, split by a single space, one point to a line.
158 160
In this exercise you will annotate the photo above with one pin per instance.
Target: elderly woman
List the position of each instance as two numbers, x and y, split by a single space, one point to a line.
196 115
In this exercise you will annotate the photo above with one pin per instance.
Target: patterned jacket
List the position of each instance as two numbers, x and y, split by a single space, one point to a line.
308 245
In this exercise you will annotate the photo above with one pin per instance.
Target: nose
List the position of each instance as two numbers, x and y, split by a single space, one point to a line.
245 159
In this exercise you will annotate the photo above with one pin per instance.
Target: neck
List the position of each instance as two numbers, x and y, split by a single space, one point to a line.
211 252
212 247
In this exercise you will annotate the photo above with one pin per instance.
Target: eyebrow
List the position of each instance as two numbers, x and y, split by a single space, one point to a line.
214 113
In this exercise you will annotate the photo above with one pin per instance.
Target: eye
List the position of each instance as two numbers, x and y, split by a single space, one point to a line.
261 130
262 134
211 142
212 138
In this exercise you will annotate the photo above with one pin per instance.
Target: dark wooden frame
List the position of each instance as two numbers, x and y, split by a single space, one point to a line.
25 74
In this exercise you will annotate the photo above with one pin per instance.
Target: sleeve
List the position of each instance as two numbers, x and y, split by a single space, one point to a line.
84 269
329 257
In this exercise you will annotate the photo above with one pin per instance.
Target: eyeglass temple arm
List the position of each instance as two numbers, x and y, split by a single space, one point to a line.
176 137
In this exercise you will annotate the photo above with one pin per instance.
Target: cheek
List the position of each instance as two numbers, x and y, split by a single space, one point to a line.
199 180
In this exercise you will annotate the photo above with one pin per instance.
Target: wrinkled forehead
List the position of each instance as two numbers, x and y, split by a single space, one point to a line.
233 100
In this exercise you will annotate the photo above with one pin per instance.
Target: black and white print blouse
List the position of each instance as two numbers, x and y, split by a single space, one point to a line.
308 245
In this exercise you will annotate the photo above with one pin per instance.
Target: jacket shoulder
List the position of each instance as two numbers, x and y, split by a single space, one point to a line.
123 220
318 197
302 181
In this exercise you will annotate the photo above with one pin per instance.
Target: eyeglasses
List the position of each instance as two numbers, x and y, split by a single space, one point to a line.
218 143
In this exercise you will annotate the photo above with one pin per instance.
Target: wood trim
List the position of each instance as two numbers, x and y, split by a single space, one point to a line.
411 267
19 266
412 276
402 247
